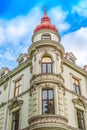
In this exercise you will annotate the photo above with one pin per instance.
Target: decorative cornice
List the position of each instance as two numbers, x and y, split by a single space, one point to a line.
46 31
41 44
47 121
43 78
15 71
15 103
80 102
74 66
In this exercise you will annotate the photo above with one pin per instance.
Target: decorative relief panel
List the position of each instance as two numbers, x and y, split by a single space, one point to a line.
47 119
15 105
52 78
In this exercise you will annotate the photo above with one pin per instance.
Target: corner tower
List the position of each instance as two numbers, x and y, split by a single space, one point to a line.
47 104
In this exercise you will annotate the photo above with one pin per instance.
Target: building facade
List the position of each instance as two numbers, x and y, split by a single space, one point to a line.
47 90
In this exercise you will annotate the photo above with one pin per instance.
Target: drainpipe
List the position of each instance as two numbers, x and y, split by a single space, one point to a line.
8 97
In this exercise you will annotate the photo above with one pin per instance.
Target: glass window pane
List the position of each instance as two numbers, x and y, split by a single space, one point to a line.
83 125
13 126
50 94
16 91
44 94
44 68
49 68
80 119
15 120
46 37
74 87
17 124
78 90
51 107
77 82
45 107
20 90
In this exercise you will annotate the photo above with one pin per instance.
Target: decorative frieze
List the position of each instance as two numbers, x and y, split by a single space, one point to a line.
52 78
47 119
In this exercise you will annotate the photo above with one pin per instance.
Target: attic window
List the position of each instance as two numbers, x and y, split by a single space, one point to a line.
2 74
46 37
71 60
21 61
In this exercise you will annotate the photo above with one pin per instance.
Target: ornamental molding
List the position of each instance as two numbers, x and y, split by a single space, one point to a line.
46 51
79 101
47 120
74 66
52 78
39 44
15 103
46 31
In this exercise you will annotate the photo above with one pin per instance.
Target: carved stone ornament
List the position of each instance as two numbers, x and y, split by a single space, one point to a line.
80 102
33 88
15 103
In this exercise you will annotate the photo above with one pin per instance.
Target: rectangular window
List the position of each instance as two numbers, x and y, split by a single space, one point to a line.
47 101
46 37
46 68
76 86
80 119
15 120
18 85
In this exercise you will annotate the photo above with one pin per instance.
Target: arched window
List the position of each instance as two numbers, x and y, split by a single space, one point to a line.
46 37
46 64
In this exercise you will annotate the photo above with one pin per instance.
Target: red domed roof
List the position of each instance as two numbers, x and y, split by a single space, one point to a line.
45 24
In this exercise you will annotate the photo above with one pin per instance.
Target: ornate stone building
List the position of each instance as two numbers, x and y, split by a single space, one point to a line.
47 90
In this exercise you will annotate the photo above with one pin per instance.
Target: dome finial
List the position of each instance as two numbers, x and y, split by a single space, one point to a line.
45 10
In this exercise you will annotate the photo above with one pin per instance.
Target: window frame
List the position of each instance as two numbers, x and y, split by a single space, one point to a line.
17 89
47 69
80 120
47 66
76 86
15 121
46 37
48 100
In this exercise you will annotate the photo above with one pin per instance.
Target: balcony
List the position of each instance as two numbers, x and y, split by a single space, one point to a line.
42 122
43 78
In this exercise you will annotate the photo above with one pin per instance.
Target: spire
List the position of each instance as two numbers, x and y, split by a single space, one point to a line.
45 10
45 23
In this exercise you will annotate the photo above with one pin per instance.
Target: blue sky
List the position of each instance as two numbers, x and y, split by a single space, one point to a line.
18 18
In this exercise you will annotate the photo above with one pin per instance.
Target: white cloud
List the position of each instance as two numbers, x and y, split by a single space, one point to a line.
15 30
58 17
76 42
81 8
16 34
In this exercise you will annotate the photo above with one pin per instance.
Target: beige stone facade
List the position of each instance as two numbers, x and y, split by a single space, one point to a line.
22 88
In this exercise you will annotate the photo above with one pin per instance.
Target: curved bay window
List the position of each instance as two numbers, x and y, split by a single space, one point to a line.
45 37
47 101
46 64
